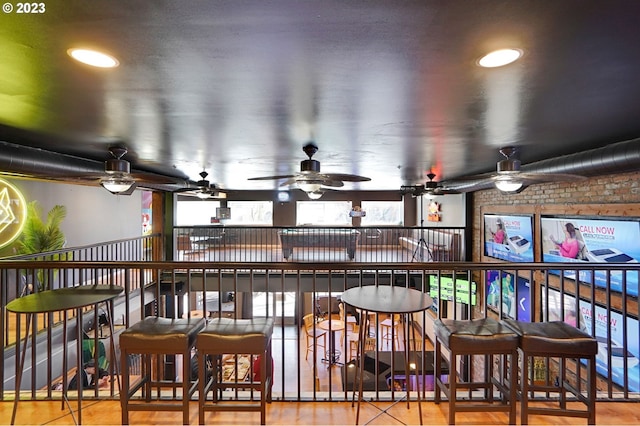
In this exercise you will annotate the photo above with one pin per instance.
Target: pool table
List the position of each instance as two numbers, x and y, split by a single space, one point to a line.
329 238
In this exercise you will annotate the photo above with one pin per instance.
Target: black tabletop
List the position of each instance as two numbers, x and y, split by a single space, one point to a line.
63 298
387 299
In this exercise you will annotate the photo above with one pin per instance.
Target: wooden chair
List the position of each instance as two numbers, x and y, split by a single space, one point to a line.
369 343
350 322
386 326
313 335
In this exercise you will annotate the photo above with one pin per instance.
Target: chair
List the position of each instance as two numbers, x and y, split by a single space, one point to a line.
486 337
350 321
390 328
561 341
353 336
235 336
154 337
314 334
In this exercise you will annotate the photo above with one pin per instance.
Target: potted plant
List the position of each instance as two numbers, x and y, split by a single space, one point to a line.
39 236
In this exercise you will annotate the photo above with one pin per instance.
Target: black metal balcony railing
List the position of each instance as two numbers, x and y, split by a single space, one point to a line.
287 290
314 243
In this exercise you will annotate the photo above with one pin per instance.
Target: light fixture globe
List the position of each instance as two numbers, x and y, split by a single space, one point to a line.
203 195
117 184
309 186
508 185
315 195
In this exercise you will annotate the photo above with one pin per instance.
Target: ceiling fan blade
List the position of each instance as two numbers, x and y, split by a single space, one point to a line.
333 183
346 177
288 182
272 177
444 191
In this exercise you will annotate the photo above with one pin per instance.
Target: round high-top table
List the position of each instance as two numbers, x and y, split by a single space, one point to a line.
55 300
386 300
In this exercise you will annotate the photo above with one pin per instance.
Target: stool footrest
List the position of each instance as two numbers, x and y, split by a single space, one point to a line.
558 412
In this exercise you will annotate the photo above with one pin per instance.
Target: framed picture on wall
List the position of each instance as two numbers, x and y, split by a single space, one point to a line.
514 291
508 237
611 328
593 240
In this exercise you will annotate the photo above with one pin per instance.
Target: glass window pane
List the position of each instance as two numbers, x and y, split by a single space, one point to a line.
250 213
383 213
323 213
195 213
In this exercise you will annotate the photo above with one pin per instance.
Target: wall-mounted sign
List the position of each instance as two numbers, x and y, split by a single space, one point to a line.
434 214
13 213
357 212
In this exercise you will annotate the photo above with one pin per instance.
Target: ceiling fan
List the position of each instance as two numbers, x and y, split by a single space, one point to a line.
310 180
204 189
117 179
429 188
115 176
509 178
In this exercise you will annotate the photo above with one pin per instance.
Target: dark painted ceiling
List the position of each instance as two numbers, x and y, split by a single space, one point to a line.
386 89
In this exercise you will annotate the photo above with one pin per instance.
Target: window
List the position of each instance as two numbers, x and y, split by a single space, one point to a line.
323 213
250 213
195 213
383 213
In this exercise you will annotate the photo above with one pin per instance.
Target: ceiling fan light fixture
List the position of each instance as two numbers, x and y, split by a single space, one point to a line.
309 186
203 195
117 184
499 58
508 185
315 195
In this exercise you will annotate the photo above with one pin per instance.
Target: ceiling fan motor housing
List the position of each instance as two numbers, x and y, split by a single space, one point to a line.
310 166
116 165
508 165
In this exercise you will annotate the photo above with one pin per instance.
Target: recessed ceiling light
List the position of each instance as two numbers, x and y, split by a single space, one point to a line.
93 58
499 58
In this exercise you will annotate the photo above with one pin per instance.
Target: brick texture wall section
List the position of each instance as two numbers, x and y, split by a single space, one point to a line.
615 195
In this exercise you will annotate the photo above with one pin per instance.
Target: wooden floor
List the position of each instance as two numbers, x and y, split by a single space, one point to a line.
296 413
107 412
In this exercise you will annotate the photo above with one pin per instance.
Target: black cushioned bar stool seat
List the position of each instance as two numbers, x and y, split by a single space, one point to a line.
559 340
154 336
223 336
477 337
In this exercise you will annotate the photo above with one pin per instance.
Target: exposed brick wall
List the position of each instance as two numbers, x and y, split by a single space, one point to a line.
581 197
610 195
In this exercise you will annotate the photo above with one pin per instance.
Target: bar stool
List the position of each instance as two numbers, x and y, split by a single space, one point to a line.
234 336
158 336
559 340
477 337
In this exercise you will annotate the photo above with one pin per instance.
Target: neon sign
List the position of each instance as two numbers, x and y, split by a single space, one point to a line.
13 213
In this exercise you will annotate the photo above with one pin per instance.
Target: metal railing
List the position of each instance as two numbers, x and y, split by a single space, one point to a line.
318 244
288 290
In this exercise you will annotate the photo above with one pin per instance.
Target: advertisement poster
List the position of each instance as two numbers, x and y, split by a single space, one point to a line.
616 352
508 237
593 241
147 214
503 281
